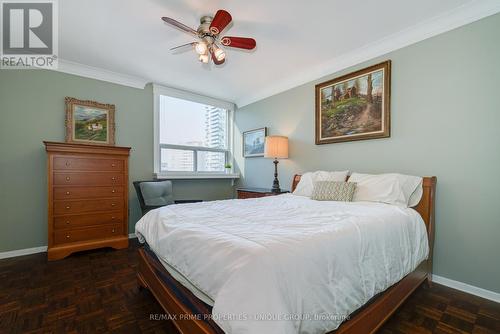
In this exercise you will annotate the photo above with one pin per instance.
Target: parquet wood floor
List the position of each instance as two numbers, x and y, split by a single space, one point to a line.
97 292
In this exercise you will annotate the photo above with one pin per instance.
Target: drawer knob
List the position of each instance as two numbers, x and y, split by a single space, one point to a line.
67 192
68 207
113 165
113 218
113 191
113 178
67 222
113 204
67 178
68 163
67 236
113 230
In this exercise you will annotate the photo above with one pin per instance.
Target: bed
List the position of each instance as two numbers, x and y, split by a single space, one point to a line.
189 289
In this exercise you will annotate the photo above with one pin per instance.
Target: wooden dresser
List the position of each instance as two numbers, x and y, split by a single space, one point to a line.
87 197
244 193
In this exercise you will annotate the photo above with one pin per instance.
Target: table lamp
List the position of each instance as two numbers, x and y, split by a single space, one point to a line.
276 147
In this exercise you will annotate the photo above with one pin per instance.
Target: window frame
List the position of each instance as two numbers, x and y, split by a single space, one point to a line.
157 146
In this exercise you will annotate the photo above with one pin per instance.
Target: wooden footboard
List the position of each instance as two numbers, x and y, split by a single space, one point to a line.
373 315
183 318
366 320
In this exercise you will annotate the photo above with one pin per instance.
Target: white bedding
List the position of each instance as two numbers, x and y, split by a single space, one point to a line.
297 263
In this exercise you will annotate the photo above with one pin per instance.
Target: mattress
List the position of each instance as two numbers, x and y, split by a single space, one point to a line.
285 264
196 306
186 283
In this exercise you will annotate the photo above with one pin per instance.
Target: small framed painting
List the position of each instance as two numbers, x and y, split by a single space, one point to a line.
355 106
89 122
253 142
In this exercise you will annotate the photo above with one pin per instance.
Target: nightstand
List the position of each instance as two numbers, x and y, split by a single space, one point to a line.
257 192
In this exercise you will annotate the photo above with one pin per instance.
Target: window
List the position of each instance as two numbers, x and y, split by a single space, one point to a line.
193 134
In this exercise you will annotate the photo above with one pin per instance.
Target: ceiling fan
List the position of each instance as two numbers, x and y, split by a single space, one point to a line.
210 43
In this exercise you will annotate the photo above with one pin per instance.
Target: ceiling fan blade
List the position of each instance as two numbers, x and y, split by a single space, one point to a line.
220 21
179 25
239 42
183 45
216 62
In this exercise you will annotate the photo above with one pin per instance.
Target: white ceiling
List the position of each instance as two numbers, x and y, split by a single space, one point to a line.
297 41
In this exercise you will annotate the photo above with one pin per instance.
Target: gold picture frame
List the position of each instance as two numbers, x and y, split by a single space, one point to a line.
90 122
355 106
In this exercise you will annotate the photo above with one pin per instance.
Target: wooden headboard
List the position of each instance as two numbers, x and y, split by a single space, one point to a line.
425 207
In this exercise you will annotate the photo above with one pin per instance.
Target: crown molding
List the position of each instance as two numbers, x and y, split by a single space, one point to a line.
468 13
192 96
69 67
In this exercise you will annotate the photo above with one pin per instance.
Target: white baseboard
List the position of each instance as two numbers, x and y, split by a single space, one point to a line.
34 250
473 290
21 252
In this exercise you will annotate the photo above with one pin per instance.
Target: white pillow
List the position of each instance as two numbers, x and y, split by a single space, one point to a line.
306 183
397 189
416 196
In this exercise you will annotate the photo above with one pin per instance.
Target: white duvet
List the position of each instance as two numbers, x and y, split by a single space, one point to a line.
286 264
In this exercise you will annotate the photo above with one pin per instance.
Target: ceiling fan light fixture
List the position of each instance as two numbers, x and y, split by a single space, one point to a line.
208 46
201 48
203 58
219 53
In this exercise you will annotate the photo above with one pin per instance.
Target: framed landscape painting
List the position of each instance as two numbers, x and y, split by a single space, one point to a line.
253 142
355 106
89 122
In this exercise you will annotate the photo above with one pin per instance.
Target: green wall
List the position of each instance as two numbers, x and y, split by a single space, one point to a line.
445 122
32 110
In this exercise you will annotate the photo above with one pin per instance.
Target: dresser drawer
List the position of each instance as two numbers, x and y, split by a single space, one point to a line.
247 194
89 233
88 179
258 192
83 163
82 206
69 222
87 192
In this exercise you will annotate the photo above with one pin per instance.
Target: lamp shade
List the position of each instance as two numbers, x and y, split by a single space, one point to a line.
276 147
